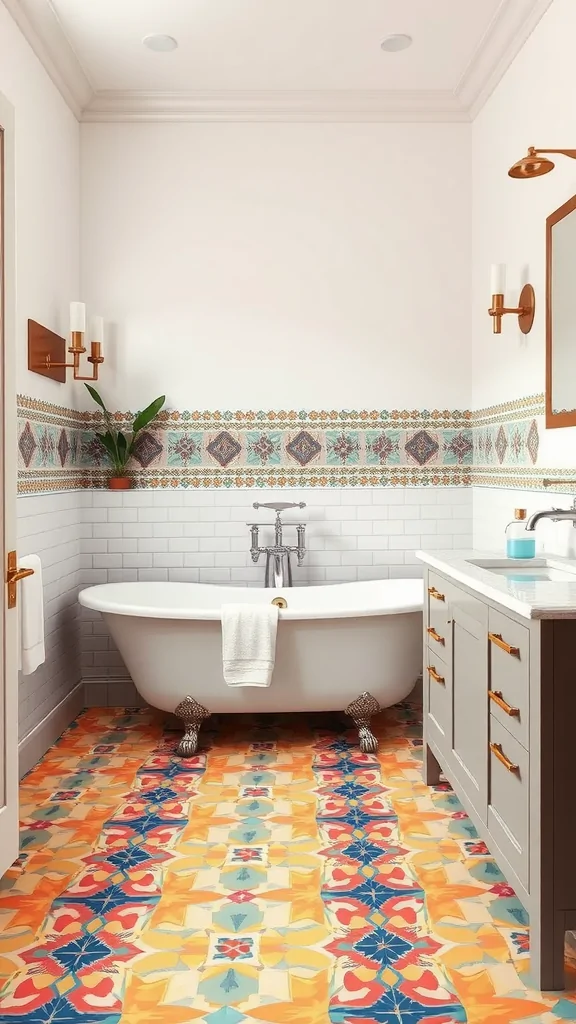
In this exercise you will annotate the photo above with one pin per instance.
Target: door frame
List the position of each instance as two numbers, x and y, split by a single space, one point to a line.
8 488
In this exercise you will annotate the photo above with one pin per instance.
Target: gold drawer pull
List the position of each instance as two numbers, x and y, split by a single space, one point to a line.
436 594
432 672
435 636
496 696
496 638
499 753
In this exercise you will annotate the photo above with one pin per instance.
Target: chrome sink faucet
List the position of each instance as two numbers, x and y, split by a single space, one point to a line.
278 555
557 515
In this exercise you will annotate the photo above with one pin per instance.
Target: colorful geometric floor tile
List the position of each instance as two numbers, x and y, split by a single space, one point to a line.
278 876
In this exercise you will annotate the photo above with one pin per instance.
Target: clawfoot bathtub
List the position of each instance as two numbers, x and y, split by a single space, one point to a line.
352 646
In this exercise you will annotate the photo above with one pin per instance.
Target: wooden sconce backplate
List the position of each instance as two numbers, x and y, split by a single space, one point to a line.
42 343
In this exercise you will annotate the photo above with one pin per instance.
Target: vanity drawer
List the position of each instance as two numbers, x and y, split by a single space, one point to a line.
508 674
437 592
509 797
444 600
439 642
438 683
438 615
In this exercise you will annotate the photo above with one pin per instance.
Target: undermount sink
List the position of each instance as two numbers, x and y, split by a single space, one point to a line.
523 571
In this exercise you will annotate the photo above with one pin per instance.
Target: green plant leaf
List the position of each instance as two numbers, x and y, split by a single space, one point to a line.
122 447
94 394
147 415
109 442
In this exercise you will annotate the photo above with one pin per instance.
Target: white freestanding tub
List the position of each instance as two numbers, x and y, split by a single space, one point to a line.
335 644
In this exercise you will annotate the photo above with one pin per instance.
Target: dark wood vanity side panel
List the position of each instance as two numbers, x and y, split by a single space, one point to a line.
564 761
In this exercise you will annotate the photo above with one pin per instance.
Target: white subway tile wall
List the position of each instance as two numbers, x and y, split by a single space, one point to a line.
494 509
92 537
202 537
52 526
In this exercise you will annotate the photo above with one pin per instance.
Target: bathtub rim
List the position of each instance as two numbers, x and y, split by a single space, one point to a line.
412 601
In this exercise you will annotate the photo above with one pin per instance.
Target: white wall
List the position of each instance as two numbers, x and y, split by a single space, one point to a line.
532 106
47 204
272 266
47 277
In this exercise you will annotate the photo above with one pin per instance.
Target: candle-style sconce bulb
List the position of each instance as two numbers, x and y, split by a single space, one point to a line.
525 309
47 351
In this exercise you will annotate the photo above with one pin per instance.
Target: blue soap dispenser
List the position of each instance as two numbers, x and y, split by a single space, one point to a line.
519 542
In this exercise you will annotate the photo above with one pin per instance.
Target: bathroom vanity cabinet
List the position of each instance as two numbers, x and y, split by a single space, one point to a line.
500 724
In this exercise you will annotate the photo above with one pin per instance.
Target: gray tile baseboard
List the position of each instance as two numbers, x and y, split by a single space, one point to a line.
115 693
33 746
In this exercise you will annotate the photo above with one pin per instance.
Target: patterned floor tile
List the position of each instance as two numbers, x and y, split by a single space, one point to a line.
279 875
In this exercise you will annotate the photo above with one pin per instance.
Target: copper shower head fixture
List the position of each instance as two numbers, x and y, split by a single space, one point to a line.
534 164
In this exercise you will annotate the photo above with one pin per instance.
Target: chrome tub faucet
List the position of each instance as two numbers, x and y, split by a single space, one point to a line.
278 555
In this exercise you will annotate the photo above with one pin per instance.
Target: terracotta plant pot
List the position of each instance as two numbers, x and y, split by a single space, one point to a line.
119 483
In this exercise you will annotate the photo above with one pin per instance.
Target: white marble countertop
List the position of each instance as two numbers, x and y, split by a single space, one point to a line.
533 599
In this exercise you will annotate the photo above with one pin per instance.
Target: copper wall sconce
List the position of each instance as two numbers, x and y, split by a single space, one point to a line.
533 164
47 351
526 304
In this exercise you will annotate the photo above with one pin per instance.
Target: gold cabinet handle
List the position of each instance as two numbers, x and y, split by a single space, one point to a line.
13 575
436 594
496 696
280 602
496 638
499 753
432 672
435 636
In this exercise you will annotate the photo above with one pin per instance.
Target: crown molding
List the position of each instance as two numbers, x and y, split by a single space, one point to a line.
512 24
42 30
290 105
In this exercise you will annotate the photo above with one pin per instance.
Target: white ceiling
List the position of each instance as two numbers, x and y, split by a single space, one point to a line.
274 44
299 58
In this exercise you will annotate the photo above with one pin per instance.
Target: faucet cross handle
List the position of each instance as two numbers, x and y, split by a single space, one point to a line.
279 506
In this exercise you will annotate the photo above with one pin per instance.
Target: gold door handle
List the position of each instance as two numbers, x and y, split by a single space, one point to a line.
13 575
496 638
435 636
436 594
496 696
432 672
499 753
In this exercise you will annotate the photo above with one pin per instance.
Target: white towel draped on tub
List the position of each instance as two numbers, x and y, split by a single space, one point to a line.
249 643
31 603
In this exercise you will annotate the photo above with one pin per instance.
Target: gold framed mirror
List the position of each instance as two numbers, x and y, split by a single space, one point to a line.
561 316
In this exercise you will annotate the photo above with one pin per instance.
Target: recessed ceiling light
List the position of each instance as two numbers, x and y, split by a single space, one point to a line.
392 44
160 43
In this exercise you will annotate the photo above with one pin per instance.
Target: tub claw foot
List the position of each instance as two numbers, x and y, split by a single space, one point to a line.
361 711
192 714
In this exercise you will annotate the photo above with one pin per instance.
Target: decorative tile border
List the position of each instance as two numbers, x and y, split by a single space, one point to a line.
57 449
524 478
520 409
493 447
512 443
50 456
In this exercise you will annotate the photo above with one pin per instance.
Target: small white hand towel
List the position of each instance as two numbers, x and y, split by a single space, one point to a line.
249 643
31 603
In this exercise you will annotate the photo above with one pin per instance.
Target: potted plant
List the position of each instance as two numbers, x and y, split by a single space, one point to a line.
118 446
